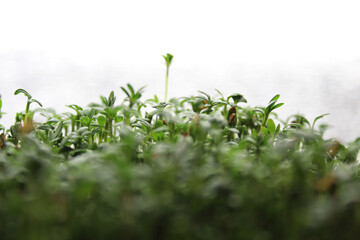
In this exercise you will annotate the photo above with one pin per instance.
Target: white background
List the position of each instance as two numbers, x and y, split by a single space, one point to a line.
69 51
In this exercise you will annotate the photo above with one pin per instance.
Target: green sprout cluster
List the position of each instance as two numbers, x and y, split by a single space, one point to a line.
195 167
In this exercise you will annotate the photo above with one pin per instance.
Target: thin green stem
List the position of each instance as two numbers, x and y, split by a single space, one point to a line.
166 82
106 129
110 129
27 113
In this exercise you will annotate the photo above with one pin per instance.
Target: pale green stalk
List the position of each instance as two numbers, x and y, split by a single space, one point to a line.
166 83
168 58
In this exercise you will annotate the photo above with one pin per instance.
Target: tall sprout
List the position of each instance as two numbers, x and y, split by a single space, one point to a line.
27 109
168 58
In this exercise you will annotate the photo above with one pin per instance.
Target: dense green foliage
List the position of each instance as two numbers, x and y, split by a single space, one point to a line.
191 168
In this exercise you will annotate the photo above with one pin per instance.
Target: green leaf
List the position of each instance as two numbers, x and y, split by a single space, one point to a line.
141 90
119 119
85 120
136 96
237 98
161 105
44 127
111 99
101 120
82 130
20 90
103 100
131 89
277 106
36 101
75 107
277 129
207 95
161 129
234 130
52 121
222 96
271 126
125 91
168 59
58 129
275 98
317 118
264 130
254 133
144 123
251 139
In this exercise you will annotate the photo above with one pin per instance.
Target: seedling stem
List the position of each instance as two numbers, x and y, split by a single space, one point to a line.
168 58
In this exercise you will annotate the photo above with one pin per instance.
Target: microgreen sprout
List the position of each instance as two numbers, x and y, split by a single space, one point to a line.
27 109
271 106
168 59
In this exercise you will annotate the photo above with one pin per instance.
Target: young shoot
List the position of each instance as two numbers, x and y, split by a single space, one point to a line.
168 58
27 109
